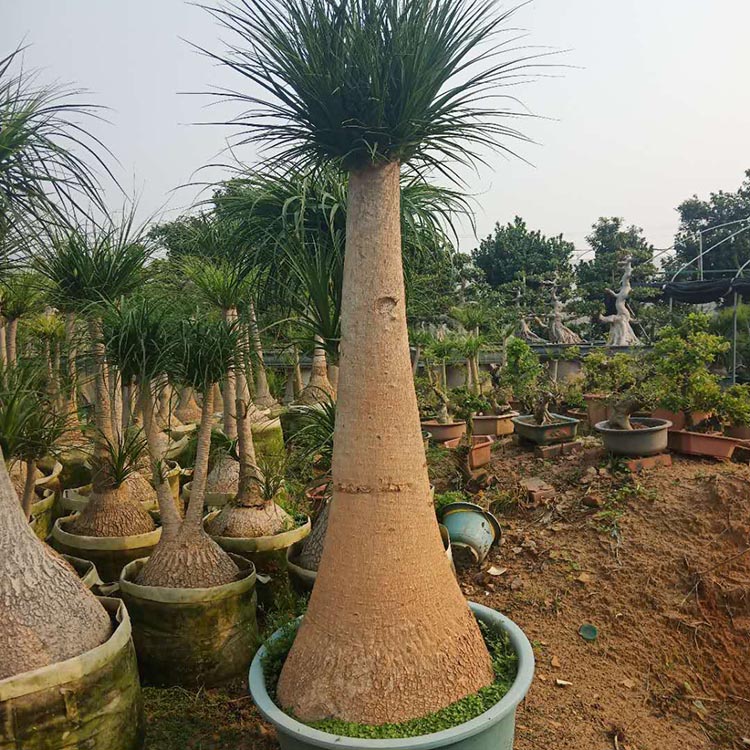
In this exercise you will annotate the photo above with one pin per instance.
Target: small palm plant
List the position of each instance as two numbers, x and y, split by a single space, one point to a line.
368 86
30 422
203 353
22 296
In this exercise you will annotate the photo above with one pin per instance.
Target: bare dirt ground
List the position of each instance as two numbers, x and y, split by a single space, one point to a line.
659 563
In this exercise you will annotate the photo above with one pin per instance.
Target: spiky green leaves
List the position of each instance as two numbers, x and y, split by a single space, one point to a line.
43 147
366 81
30 422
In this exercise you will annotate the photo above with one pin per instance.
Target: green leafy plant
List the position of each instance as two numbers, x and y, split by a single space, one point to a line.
523 371
735 405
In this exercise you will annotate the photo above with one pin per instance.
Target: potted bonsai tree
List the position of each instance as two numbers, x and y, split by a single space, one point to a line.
735 409
686 387
370 86
542 426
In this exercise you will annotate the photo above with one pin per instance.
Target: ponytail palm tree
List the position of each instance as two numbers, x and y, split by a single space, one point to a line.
88 270
204 350
371 85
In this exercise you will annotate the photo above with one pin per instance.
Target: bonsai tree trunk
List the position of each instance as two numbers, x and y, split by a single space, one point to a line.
11 336
402 643
3 344
263 395
620 418
474 365
189 558
188 411
71 404
46 614
417 357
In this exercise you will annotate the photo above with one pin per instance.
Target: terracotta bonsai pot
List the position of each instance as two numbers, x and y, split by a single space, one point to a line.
481 449
442 432
597 408
494 424
738 432
678 419
648 438
711 445
561 430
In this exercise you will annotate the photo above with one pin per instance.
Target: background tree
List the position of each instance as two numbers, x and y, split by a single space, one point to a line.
516 258
697 214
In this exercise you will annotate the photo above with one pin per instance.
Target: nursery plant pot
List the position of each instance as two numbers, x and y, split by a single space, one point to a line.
268 554
561 430
90 701
303 580
492 730
86 570
648 440
50 481
678 418
481 449
738 432
442 432
75 500
494 424
211 500
702 444
110 554
597 408
471 527
42 514
192 637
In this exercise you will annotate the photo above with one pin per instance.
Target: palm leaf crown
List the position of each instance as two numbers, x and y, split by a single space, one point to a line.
367 81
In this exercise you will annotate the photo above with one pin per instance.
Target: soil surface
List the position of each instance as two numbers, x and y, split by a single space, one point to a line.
659 563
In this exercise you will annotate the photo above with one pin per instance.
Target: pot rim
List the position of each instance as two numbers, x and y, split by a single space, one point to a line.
168 595
561 420
474 508
77 666
505 707
435 423
240 544
76 541
661 424
56 471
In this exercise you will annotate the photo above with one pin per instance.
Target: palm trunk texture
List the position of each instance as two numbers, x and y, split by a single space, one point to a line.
388 635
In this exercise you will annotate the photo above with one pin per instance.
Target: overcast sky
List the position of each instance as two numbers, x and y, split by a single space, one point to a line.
654 109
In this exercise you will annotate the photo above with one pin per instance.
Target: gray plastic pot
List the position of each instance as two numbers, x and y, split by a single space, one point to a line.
89 701
492 730
649 440
472 527
562 430
192 637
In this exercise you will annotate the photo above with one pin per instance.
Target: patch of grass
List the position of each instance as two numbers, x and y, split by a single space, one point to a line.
442 499
504 664
268 441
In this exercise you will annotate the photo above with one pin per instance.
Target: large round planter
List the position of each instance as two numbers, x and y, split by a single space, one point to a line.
471 527
110 554
492 730
42 515
442 432
192 637
50 481
86 570
303 580
648 440
561 430
268 553
494 424
90 701
75 500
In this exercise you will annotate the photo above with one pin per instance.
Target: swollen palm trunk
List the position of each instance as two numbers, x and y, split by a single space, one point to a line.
46 614
388 635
